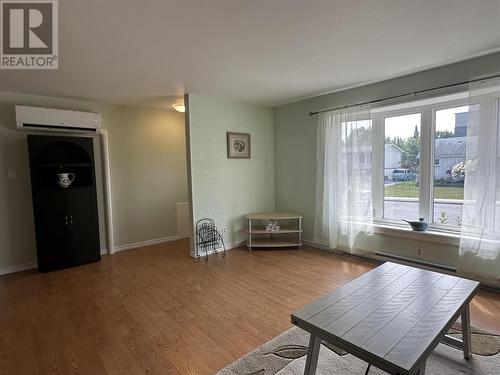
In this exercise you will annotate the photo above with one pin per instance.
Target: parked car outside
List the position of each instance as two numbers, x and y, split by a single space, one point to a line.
403 175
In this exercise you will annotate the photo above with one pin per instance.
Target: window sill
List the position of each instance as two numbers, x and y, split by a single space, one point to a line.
430 235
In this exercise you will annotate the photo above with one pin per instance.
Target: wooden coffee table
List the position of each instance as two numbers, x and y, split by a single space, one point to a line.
391 317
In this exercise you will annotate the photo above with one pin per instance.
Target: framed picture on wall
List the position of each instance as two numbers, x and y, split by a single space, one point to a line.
238 145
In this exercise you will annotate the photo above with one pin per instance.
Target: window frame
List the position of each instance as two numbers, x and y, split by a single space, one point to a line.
378 185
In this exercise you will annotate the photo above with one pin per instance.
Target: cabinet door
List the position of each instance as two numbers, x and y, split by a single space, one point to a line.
51 230
83 233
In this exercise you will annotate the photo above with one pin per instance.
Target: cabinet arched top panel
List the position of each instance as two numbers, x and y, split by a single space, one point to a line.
60 151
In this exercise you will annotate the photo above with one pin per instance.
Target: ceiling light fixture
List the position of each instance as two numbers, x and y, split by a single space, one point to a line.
179 107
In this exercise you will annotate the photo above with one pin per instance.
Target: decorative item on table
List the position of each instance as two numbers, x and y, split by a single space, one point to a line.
417 225
65 179
238 145
272 227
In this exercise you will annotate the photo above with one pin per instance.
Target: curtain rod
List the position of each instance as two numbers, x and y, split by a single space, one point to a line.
413 93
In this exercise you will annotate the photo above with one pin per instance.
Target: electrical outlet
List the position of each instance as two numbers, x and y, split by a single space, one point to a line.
11 174
224 230
419 252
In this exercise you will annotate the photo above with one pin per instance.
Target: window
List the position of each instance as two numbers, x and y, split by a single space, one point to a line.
418 151
402 148
449 147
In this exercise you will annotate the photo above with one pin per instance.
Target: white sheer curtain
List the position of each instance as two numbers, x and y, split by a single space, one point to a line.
479 255
344 214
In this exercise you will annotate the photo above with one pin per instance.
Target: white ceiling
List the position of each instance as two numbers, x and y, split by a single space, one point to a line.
149 52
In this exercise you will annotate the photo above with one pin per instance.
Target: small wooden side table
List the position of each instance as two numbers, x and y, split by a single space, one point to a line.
288 235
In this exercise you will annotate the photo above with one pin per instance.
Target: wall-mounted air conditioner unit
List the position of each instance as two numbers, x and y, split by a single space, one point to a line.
35 118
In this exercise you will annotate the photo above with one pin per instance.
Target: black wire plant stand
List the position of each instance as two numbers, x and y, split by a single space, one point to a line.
208 238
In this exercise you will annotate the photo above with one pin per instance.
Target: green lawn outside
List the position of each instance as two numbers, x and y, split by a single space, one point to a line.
410 190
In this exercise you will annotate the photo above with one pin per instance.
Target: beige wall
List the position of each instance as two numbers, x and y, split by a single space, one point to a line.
148 174
228 189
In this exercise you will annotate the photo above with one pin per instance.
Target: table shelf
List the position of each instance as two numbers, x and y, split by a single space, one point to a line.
276 242
261 229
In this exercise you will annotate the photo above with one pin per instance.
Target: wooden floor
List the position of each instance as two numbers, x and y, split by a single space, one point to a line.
157 311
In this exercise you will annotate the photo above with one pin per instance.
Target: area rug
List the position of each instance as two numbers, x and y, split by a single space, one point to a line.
286 355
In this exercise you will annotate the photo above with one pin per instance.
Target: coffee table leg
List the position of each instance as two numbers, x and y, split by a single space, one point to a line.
422 369
466 338
312 355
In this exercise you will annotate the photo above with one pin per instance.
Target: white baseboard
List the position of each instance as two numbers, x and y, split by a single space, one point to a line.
18 268
316 245
156 241
104 251
230 246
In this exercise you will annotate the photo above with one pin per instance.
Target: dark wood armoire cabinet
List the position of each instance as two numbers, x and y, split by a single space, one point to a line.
66 219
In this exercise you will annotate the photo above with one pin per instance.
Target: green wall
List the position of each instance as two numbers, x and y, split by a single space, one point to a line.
227 189
295 146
